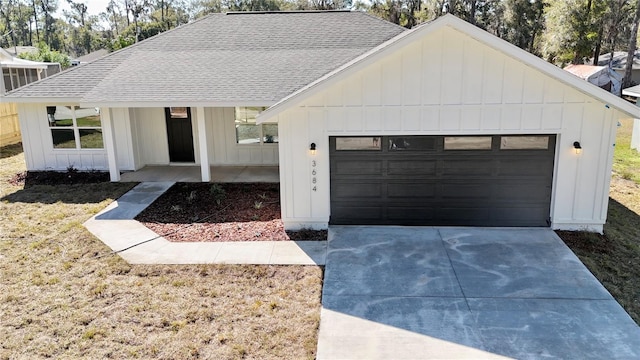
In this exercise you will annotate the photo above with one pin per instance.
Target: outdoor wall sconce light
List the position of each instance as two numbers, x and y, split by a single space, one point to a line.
577 147
312 148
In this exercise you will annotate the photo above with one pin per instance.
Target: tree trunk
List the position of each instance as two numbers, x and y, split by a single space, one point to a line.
472 12
596 52
633 38
577 59
35 19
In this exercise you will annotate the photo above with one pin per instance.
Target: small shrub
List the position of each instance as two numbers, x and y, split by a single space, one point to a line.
192 196
257 205
218 193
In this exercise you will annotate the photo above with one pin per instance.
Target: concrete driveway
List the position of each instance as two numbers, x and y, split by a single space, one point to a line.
417 293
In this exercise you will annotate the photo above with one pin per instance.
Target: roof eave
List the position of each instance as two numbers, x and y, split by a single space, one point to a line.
39 100
470 30
163 104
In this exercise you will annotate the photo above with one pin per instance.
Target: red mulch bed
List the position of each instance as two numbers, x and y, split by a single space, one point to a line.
221 212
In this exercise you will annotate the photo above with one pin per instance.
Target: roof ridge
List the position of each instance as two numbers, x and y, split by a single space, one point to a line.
286 12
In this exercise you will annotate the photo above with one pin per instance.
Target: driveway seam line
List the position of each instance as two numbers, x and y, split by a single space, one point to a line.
464 296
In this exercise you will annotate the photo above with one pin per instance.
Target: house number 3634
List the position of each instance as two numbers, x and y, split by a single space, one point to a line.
313 176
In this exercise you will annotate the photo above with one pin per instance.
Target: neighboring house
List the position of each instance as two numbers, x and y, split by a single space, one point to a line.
17 50
619 61
18 72
15 73
601 76
369 123
84 59
635 134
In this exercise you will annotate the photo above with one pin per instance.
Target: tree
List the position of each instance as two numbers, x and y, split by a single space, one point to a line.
633 39
45 54
523 22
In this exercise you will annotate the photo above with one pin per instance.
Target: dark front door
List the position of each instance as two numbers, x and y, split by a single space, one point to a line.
179 134
442 180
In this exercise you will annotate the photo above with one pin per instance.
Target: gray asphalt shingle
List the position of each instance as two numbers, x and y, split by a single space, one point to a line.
223 58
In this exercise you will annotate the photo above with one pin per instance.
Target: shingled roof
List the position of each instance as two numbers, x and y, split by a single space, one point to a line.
222 59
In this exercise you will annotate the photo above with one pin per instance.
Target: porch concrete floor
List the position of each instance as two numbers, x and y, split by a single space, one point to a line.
179 173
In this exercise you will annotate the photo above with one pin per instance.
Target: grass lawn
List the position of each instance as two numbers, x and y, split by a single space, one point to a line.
626 164
615 258
63 295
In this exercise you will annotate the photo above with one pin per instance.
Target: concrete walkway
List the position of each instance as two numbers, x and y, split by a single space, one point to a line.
116 227
454 293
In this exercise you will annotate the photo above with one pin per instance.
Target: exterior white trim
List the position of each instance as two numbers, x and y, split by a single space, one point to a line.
578 227
39 100
110 144
205 170
298 224
163 104
466 28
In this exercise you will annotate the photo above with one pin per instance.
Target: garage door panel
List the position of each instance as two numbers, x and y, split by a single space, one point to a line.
467 167
466 191
411 191
411 167
455 215
520 216
526 166
358 167
420 183
358 214
343 190
522 192
409 214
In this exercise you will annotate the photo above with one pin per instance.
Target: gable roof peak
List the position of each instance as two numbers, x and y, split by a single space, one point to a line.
468 29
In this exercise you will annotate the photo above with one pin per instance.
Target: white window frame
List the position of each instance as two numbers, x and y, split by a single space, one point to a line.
260 127
76 131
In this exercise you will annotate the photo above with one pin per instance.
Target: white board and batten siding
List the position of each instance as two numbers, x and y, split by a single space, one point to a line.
224 150
141 140
38 145
150 143
448 83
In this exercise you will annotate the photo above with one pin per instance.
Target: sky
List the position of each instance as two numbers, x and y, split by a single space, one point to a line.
94 7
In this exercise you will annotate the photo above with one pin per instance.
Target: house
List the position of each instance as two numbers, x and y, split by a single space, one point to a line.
619 61
369 123
601 76
15 73
94 55
634 92
17 50
18 72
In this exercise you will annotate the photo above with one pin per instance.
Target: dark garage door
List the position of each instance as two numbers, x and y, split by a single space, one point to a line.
442 180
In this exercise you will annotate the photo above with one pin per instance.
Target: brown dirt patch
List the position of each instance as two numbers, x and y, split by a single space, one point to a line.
586 241
221 212
69 177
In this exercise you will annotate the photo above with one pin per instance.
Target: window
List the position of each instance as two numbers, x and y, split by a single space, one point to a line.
75 127
412 143
179 112
524 143
358 143
248 132
467 143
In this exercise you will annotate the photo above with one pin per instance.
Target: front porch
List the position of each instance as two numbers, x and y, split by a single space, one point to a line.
239 174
